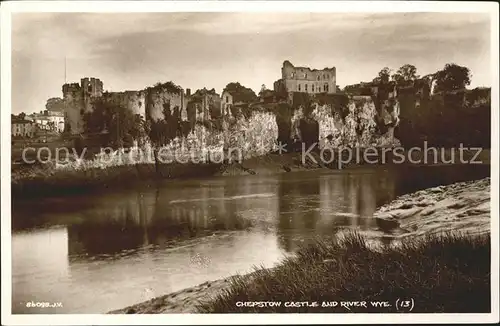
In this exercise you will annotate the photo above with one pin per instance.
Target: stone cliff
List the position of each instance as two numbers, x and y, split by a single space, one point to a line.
263 128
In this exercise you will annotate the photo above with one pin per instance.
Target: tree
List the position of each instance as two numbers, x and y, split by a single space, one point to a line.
121 125
163 130
263 89
383 76
55 104
405 75
452 77
241 93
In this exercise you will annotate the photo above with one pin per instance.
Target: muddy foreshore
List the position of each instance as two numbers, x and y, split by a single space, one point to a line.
460 207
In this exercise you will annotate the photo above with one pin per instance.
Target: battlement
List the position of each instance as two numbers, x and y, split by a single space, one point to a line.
89 87
71 88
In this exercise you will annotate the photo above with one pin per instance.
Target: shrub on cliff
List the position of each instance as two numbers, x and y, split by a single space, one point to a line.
466 115
170 86
240 93
442 274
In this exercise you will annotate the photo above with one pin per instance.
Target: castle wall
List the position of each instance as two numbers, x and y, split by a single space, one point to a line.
226 102
135 101
158 99
211 104
184 100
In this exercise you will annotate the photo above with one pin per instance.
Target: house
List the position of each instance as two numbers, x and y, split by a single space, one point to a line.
56 120
52 120
22 128
41 120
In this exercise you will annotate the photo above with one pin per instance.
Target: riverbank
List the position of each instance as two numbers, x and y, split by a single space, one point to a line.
43 180
350 270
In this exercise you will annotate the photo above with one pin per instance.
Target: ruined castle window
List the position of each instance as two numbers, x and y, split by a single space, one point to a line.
306 87
305 76
318 78
299 87
326 88
227 99
312 88
292 75
90 88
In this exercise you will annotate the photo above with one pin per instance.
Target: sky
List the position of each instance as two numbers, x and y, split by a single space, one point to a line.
130 51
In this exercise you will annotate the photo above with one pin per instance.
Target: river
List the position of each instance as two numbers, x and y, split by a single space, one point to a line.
101 252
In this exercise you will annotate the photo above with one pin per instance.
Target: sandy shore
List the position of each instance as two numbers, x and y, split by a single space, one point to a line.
184 301
463 206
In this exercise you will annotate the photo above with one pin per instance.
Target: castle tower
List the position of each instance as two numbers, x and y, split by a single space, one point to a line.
91 88
73 104
78 99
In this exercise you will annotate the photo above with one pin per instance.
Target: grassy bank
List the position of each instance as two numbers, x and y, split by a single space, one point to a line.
446 274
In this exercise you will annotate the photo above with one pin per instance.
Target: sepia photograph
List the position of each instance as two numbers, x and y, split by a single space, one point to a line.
271 161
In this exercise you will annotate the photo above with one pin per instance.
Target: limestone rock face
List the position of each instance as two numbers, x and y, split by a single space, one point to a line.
358 127
253 136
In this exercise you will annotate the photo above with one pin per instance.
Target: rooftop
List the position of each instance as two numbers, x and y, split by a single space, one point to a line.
20 121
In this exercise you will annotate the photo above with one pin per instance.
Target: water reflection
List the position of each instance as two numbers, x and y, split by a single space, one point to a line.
165 217
117 249
333 202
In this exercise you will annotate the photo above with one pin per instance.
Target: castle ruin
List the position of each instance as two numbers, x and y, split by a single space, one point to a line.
306 80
